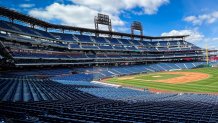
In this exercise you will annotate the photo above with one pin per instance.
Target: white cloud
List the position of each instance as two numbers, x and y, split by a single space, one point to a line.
211 42
194 35
26 5
68 14
115 6
82 12
204 18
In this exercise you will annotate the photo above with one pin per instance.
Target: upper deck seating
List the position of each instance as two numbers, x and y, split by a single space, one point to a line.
38 55
119 47
106 47
25 29
125 41
64 37
84 38
76 46
77 55
113 41
135 42
131 48
100 40
89 47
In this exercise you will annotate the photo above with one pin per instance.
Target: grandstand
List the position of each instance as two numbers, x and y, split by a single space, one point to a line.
30 46
49 75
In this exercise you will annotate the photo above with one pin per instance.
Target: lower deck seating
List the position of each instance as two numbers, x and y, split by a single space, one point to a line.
137 107
26 98
23 88
96 73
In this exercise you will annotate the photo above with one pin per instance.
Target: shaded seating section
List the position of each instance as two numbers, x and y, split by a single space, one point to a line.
91 55
75 46
4 25
77 55
46 55
131 48
125 41
147 44
73 98
46 72
25 29
64 37
102 110
96 73
106 47
135 42
113 41
100 40
83 102
75 77
44 33
119 47
92 43
89 47
84 39
16 27
101 55
162 49
39 55
152 49
55 44
117 93
113 56
23 88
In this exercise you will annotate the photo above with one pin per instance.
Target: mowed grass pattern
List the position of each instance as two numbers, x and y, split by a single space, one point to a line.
207 85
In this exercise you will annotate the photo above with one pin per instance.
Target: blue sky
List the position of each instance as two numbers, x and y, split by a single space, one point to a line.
198 18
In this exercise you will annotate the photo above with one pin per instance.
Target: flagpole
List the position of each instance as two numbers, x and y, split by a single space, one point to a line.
207 56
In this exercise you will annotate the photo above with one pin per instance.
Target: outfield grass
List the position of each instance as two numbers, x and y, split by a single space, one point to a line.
207 85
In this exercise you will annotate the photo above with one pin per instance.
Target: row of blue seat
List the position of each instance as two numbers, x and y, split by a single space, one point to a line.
25 88
96 73
75 99
61 55
123 44
138 106
126 42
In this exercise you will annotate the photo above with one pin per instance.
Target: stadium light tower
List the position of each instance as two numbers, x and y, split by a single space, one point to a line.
136 25
103 20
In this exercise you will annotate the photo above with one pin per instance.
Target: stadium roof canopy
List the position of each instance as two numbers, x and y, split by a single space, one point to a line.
14 15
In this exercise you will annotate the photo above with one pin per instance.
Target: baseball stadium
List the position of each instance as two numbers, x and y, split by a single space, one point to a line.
60 73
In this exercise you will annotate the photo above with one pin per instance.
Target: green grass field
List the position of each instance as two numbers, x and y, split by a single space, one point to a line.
149 81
